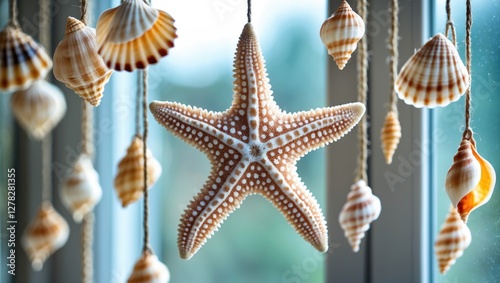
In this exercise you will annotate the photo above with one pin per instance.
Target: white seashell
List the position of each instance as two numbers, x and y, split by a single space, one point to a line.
148 269
390 135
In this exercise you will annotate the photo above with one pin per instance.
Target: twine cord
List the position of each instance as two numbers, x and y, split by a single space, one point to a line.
249 10
449 24
468 59
46 166
362 66
13 13
146 246
86 246
87 129
44 25
138 106
84 11
393 49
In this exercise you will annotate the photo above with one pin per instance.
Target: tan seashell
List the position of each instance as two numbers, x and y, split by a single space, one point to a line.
451 241
148 269
341 32
134 35
45 234
361 209
77 64
129 181
433 76
39 108
390 135
22 60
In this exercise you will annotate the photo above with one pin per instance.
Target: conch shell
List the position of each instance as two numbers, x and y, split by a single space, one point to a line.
148 269
390 135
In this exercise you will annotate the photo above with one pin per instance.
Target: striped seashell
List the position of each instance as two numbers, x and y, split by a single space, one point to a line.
341 32
148 269
451 241
129 181
77 64
390 135
80 190
361 209
134 35
39 108
45 234
22 60
433 76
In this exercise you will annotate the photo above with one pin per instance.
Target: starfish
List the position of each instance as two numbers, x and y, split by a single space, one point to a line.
253 148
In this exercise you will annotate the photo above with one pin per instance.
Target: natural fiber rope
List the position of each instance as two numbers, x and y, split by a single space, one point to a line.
362 93
44 25
449 24
393 49
84 11
468 58
138 106
46 172
86 245
146 247
13 13
87 129
249 10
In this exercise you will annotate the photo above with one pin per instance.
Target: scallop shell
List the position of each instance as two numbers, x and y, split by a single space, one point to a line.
129 181
452 240
39 108
134 35
148 269
22 60
341 32
77 64
361 209
434 76
45 234
80 191
390 135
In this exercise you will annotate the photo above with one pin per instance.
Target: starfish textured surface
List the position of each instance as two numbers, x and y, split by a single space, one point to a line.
253 148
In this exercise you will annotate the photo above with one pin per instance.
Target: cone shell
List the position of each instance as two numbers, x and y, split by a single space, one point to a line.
361 209
434 76
129 181
452 240
341 32
77 64
44 235
148 269
39 108
80 191
134 35
22 60
390 135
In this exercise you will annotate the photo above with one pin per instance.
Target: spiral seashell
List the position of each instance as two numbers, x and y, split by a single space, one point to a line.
22 60
80 191
390 135
451 241
341 32
134 35
39 108
77 64
361 209
129 181
45 234
148 269
434 76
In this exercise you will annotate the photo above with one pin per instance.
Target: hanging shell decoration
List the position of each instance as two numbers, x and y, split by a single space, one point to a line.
390 135
341 32
44 235
470 180
22 60
452 240
134 35
129 181
360 210
80 191
434 76
39 108
77 64
148 269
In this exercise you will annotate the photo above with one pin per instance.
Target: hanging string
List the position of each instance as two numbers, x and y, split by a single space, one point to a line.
44 25
138 106
362 93
46 166
249 10
468 58
393 49
13 13
87 129
86 246
146 247
84 11
449 24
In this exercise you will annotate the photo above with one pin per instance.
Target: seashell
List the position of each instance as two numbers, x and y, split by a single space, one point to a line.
77 64
39 108
129 181
80 191
22 60
134 35
451 241
361 209
148 269
390 135
44 235
341 32
434 76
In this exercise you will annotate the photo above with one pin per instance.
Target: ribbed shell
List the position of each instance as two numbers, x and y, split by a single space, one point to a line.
129 181
39 108
80 191
134 35
390 135
148 269
361 209
77 64
451 241
341 32
45 234
434 76
22 60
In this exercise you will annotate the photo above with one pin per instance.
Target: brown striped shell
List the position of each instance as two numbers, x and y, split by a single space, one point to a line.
390 135
148 269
